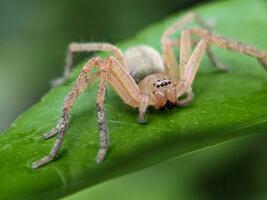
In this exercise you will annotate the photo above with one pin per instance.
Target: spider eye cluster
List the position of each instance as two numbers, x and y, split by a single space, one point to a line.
162 83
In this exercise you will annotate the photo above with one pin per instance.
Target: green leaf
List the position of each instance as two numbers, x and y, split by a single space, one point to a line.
226 106
235 169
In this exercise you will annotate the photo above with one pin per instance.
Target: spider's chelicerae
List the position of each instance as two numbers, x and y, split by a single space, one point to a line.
142 77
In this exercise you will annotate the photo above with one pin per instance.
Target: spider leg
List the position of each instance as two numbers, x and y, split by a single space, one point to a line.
206 39
184 85
53 132
103 133
215 61
168 44
113 72
185 54
81 83
85 47
263 62
185 50
233 45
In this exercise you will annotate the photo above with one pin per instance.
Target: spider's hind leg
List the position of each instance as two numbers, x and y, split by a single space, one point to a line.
85 47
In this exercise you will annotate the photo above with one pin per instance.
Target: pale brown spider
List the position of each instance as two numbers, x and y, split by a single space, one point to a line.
139 75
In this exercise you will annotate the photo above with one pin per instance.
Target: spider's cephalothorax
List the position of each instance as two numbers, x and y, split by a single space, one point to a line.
160 89
141 78
146 67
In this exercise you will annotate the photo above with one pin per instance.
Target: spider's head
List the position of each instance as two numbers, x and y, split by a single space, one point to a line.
160 89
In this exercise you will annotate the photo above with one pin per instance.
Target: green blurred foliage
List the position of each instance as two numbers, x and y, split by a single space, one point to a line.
34 35
232 170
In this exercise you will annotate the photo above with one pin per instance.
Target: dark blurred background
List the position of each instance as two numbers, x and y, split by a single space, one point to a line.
34 35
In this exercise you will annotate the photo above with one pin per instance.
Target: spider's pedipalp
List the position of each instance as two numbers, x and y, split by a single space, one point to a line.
142 109
189 98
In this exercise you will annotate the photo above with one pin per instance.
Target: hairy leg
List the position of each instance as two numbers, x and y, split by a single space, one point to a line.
233 45
190 70
185 50
168 45
80 85
111 71
103 133
115 73
55 130
185 54
86 47
207 39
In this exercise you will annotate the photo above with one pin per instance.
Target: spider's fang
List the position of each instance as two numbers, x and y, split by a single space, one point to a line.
168 106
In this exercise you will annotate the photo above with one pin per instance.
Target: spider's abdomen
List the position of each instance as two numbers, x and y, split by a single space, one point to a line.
142 61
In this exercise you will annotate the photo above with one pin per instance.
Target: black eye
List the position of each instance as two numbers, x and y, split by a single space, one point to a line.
161 84
165 83
157 86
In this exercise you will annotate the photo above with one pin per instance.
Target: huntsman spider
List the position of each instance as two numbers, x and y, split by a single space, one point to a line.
142 77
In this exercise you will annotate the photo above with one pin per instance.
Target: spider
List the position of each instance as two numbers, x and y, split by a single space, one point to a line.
142 77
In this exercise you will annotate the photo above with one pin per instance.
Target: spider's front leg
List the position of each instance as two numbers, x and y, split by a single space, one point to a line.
81 83
104 139
207 38
168 45
233 45
113 72
189 71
